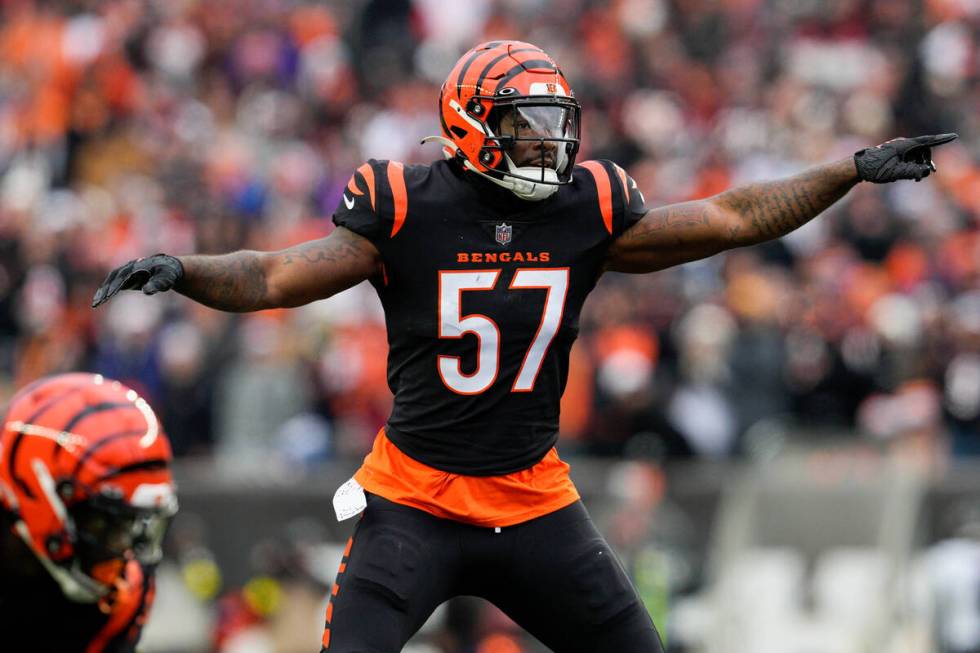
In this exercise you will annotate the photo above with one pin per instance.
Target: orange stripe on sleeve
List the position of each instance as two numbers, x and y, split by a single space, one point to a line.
622 180
352 186
603 185
368 173
396 180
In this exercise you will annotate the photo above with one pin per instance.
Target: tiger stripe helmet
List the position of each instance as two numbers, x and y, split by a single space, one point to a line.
85 470
500 76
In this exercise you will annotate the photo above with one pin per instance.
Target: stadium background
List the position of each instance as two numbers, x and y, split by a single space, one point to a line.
782 442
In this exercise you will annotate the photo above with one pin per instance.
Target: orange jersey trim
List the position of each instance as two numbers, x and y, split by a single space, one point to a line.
352 186
602 184
396 180
368 173
478 500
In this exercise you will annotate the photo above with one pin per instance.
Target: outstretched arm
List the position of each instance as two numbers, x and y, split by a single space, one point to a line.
251 281
746 215
755 213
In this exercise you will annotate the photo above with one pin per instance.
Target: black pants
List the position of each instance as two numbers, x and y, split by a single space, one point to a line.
555 576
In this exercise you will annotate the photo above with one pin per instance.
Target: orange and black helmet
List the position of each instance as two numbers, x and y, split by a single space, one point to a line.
85 472
499 94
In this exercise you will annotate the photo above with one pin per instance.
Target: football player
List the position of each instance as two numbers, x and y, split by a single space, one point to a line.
482 262
85 498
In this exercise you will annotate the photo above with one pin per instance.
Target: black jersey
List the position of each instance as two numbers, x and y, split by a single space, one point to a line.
482 294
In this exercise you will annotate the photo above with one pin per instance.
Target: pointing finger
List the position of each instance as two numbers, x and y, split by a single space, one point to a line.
100 293
125 279
932 141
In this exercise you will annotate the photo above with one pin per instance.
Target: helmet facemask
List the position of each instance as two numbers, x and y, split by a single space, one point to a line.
538 138
110 529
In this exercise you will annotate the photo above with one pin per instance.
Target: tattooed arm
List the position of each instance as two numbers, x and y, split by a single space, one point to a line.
251 281
746 215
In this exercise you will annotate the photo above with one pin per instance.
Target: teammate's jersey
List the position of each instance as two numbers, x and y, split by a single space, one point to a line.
36 616
482 294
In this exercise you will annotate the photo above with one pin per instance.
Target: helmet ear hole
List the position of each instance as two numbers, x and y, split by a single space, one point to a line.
66 490
57 546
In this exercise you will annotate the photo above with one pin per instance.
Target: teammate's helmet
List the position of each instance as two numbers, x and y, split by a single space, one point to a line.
85 471
503 93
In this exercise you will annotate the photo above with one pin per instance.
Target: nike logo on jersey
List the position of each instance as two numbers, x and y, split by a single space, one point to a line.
349 202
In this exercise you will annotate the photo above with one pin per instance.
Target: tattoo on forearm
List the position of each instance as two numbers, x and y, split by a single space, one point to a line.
674 219
251 281
230 282
746 215
339 248
772 209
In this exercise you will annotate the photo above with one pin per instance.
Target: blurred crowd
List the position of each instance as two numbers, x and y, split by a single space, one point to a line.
129 127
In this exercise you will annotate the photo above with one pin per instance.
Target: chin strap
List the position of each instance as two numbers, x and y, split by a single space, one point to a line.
530 190
523 188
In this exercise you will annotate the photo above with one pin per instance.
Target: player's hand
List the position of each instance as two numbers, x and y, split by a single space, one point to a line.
152 274
899 158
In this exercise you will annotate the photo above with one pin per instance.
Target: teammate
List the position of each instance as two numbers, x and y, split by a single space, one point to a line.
85 498
482 262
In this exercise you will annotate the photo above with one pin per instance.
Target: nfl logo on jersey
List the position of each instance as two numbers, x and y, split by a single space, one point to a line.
504 233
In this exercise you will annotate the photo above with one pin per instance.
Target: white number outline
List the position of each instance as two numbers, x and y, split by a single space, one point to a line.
548 328
449 365
450 306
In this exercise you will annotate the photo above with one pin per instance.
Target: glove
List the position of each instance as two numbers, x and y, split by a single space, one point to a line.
152 274
899 158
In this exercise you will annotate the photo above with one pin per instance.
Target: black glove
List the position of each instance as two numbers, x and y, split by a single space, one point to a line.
899 158
152 274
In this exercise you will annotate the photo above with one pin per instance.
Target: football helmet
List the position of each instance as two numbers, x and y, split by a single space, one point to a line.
508 114
85 472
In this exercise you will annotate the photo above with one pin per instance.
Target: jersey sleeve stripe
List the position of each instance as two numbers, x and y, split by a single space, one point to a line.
622 180
396 180
368 173
352 186
603 185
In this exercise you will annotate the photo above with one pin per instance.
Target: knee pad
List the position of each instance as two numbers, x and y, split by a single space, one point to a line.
391 565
